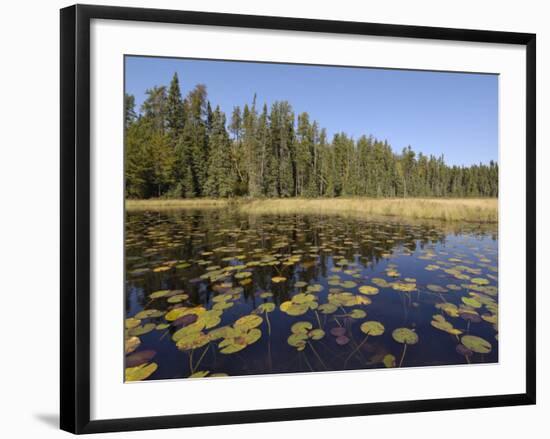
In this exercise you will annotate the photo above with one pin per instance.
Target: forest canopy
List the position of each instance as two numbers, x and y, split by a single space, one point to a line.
178 147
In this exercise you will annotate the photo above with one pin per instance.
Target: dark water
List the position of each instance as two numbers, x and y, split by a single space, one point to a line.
317 260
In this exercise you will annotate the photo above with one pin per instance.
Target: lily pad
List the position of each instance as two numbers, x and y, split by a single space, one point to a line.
185 320
278 279
141 372
327 308
476 344
266 307
471 302
199 374
141 330
248 322
357 314
439 322
368 290
405 336
193 340
158 294
437 288
239 340
301 327
448 308
131 344
389 360
149 314
342 340
338 331
479 281
131 323
373 327
139 357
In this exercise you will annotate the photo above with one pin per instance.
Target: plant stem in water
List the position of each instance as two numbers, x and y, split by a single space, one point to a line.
403 354
191 361
317 355
202 356
318 319
268 324
307 361
356 349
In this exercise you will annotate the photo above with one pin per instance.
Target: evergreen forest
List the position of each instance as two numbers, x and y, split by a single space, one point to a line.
185 147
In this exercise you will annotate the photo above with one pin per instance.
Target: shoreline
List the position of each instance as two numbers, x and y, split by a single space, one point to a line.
473 210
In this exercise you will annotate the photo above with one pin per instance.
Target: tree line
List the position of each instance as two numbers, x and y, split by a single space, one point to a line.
178 147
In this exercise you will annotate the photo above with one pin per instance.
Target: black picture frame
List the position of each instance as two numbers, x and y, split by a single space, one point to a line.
75 217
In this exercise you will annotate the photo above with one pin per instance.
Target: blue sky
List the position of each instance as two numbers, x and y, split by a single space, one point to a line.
455 114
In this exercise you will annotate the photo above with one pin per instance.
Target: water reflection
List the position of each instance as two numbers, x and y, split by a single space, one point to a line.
211 268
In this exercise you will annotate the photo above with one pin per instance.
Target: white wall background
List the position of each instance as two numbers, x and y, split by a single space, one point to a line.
29 186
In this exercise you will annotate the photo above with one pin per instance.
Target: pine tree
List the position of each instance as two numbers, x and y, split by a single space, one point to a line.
194 144
130 115
221 177
175 109
154 108
181 148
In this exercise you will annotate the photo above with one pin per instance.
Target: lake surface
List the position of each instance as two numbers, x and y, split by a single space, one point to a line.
213 293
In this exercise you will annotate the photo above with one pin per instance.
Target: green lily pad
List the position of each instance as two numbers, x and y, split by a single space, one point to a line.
243 275
158 294
248 322
266 307
239 340
193 328
131 344
405 287
193 340
211 318
471 302
479 281
220 306
439 322
298 341
437 288
448 308
357 314
316 334
132 323
389 360
199 374
327 308
177 298
373 327
368 290
405 335
476 344
141 372
382 283
278 279
176 313
301 327
141 330
149 313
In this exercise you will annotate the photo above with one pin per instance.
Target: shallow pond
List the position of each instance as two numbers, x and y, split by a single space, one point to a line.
214 293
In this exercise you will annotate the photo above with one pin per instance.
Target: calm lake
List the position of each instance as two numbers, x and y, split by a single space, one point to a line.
213 292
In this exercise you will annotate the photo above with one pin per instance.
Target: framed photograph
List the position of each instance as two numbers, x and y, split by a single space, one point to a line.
268 218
